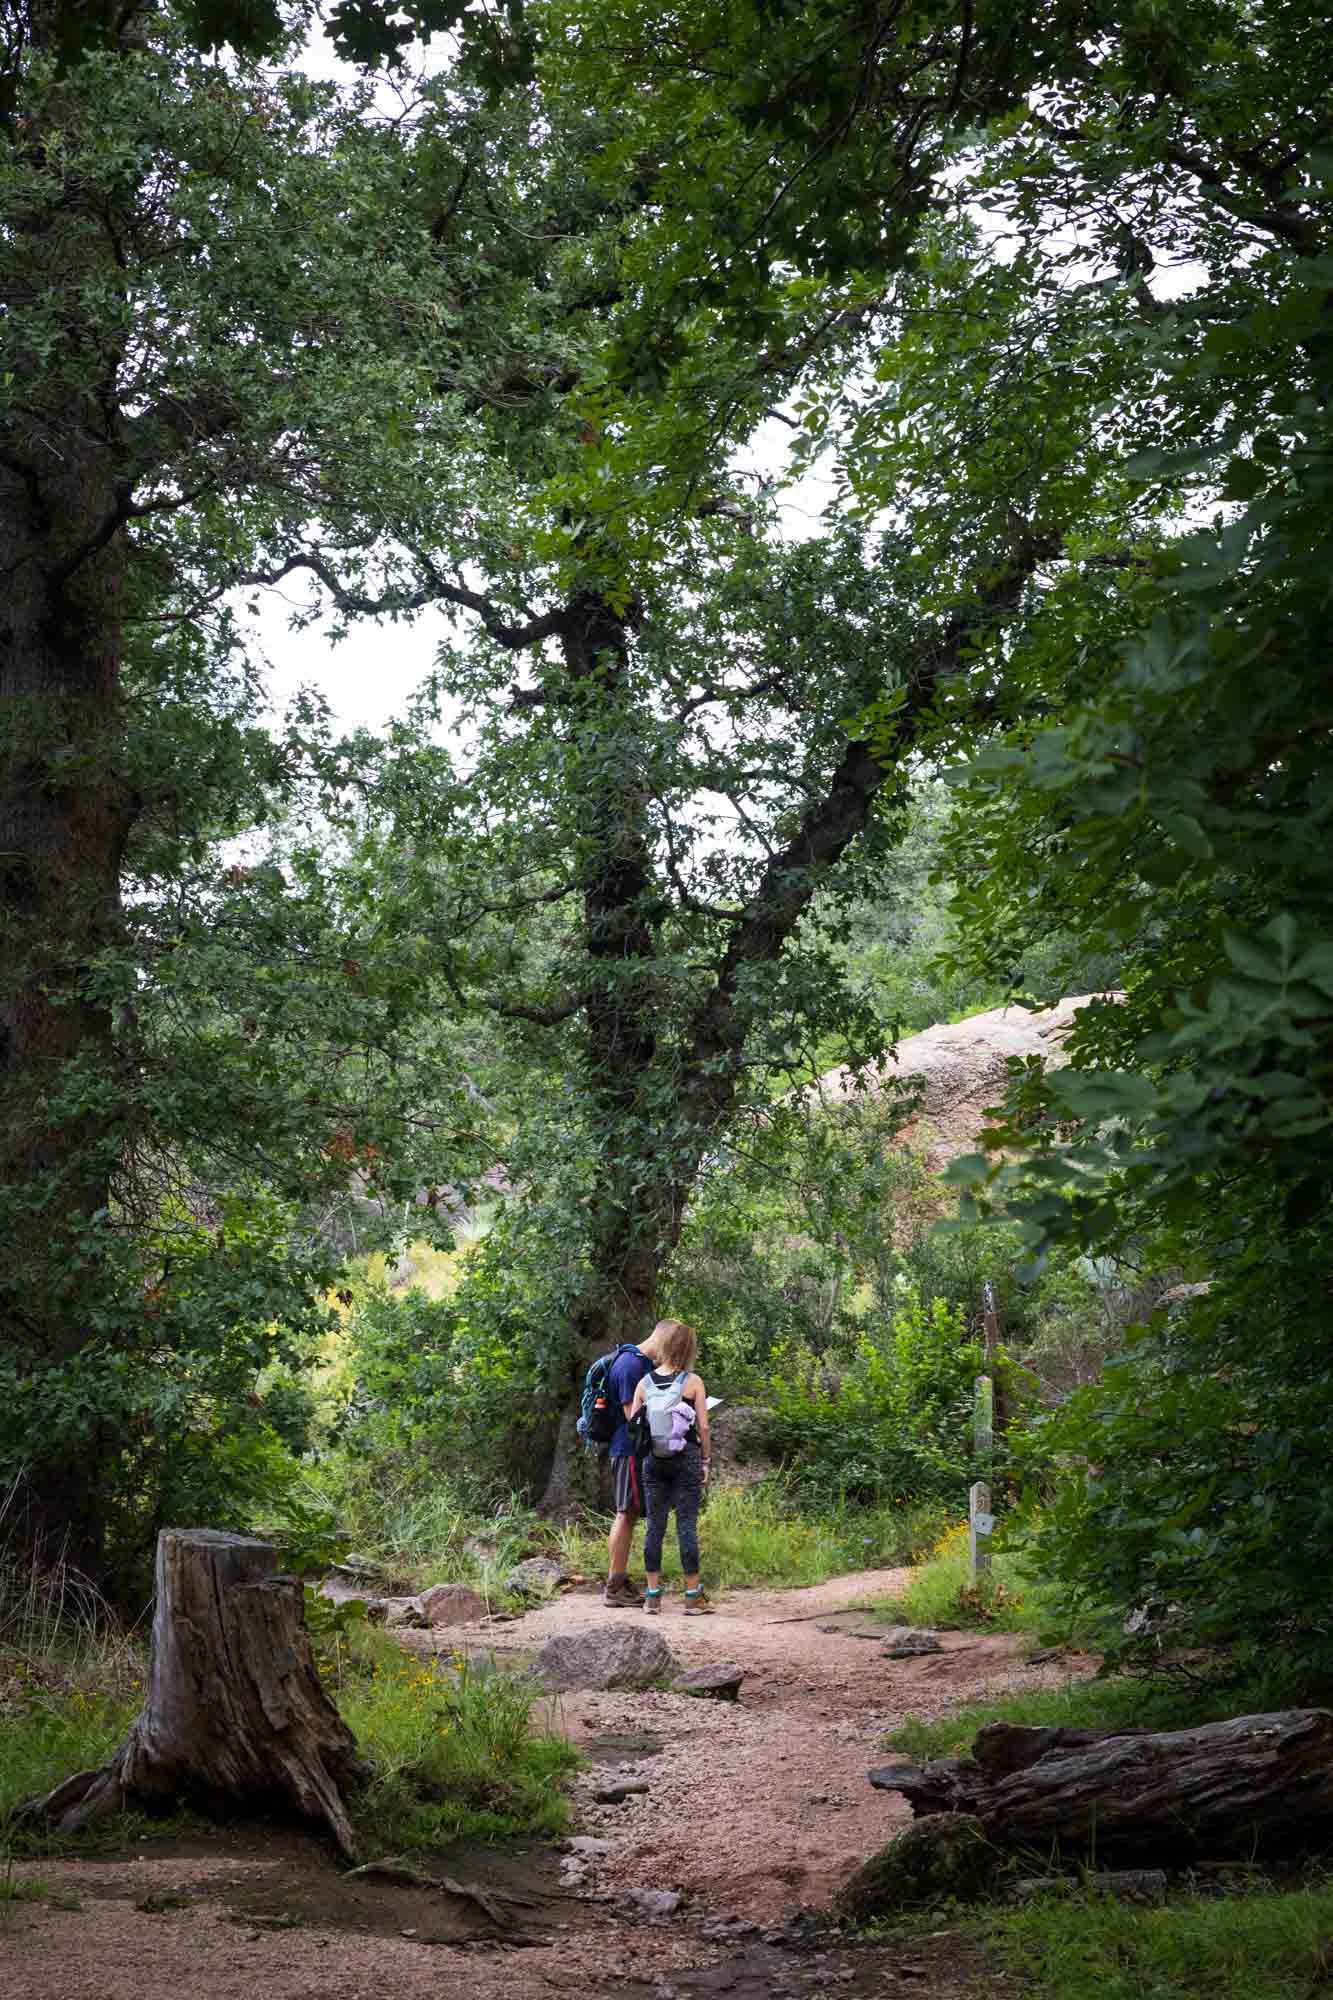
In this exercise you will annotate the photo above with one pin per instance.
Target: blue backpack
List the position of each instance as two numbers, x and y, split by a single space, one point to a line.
600 1415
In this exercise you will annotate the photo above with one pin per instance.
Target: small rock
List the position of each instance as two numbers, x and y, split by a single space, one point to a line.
721 1682
655 1902
536 1576
451 1604
906 1642
397 1613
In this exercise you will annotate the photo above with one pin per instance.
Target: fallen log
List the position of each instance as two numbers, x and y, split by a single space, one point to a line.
1254 1782
234 1718
1002 1747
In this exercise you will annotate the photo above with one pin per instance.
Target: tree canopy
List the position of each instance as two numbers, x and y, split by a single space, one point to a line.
1051 300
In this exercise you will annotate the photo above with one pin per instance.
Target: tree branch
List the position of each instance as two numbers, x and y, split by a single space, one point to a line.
544 1017
1281 220
833 819
435 590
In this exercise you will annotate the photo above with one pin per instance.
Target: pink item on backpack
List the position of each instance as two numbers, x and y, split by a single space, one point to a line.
681 1419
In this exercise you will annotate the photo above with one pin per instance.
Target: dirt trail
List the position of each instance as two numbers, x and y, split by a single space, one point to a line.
752 1811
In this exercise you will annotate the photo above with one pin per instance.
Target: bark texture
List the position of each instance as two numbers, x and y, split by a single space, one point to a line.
235 1720
65 807
1254 1783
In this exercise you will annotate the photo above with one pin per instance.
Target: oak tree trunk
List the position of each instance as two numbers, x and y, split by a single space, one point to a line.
235 1720
65 806
635 1208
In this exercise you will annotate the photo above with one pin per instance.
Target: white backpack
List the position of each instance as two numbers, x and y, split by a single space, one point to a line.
669 1415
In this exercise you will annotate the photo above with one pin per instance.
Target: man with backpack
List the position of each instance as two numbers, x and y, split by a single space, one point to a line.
626 1371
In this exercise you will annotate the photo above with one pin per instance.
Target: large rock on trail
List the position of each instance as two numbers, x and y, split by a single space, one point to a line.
451 1604
626 1656
961 1068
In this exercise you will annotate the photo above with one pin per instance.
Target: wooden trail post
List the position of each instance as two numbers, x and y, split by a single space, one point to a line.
990 1318
980 1527
980 1520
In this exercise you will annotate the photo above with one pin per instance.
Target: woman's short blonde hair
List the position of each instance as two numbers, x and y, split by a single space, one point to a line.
679 1343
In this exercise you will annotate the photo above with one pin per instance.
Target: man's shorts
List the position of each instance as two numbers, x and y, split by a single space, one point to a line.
627 1478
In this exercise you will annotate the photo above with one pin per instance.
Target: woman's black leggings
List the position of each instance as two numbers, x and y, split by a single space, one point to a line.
676 1482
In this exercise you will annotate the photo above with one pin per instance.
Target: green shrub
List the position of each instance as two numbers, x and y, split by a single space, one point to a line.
1198 1474
895 1422
454 1752
441 1389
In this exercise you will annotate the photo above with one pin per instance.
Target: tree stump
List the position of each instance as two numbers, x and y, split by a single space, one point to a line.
235 1719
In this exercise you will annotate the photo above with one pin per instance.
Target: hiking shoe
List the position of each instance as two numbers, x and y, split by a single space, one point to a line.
620 1594
652 1600
697 1604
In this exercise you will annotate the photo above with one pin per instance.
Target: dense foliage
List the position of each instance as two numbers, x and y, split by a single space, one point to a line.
1043 707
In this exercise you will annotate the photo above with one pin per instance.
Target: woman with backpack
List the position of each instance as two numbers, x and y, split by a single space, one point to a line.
670 1416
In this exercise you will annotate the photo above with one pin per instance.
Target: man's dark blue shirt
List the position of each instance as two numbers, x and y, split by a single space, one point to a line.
627 1371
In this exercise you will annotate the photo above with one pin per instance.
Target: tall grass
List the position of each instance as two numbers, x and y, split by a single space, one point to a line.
1127 1701
70 1678
419 1538
453 1753
57 1718
1262 1946
943 1594
753 1537
1082 1704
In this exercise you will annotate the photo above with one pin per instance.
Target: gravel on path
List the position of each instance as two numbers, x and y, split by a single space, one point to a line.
752 1809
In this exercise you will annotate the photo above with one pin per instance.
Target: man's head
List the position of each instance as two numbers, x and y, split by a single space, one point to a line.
672 1343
